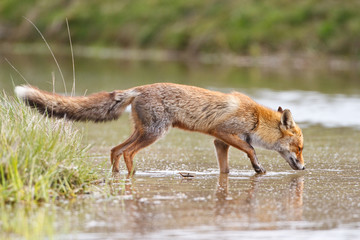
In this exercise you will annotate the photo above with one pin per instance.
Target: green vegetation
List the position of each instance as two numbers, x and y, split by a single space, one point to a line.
241 27
30 222
40 158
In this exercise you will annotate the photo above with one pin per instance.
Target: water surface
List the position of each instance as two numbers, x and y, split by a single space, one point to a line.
157 203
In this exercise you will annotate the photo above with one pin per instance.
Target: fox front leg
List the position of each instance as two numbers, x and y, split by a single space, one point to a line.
254 161
242 145
222 155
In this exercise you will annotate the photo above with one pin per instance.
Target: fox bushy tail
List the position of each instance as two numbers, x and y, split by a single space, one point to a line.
98 107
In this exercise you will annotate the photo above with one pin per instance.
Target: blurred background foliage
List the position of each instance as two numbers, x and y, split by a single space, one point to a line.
250 27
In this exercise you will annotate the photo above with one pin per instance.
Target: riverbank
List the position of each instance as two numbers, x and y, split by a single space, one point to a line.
304 61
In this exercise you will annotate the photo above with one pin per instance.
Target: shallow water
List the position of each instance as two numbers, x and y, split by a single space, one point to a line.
158 203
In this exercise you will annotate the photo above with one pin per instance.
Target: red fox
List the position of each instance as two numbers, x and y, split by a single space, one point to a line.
233 119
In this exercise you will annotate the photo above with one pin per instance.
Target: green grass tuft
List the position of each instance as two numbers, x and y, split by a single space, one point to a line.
40 158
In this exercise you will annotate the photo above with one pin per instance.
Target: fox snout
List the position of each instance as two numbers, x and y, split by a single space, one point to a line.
295 164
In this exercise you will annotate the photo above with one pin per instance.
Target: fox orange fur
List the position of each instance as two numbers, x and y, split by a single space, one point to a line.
233 119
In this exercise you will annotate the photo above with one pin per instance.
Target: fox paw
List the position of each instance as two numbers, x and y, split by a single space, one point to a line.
131 174
259 169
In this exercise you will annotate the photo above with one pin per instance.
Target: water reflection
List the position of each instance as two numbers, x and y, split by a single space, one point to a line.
258 205
150 204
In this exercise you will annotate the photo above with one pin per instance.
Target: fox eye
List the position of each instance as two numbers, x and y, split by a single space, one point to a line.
300 149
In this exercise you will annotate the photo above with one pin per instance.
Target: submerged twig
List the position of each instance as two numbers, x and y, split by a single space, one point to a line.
186 175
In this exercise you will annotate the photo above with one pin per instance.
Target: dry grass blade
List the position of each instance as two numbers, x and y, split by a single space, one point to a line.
16 70
52 53
72 58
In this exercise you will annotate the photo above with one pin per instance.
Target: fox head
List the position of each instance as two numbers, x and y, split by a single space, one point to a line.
291 144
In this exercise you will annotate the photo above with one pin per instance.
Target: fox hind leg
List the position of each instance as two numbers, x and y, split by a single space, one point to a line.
150 121
141 142
117 151
222 155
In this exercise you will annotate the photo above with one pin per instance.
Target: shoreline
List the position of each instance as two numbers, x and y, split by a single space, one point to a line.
292 61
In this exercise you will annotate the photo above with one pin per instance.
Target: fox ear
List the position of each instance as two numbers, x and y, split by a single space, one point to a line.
287 120
280 109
